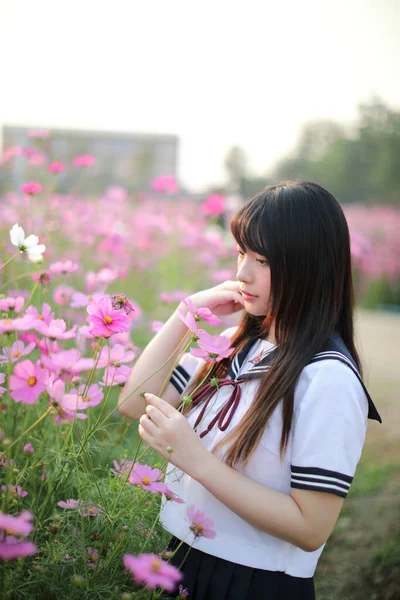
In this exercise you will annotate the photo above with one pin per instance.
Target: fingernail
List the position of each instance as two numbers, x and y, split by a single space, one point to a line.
147 396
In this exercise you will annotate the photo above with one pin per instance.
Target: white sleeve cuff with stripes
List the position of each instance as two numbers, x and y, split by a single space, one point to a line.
180 378
320 480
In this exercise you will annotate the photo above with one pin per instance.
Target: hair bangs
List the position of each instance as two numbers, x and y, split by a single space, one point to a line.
248 226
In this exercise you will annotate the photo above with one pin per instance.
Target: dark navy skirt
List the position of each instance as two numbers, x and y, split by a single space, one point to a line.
208 577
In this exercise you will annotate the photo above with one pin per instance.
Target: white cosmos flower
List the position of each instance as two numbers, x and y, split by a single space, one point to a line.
30 245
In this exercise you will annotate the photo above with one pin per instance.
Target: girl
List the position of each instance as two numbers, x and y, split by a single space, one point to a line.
267 450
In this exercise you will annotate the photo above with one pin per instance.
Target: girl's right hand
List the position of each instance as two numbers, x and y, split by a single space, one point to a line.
222 299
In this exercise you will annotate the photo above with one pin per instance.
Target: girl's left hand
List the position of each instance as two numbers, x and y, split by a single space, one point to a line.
168 427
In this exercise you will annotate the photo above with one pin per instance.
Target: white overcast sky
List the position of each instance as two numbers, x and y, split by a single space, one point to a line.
214 72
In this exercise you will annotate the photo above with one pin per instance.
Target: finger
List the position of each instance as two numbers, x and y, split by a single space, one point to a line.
155 415
163 406
146 437
149 427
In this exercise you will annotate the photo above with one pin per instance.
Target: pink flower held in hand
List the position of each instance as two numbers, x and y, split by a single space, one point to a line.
31 187
152 571
200 524
197 314
27 383
104 321
212 348
148 478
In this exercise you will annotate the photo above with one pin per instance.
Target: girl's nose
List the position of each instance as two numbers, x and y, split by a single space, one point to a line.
243 273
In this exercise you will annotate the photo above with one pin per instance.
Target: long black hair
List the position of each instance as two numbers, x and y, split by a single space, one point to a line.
301 230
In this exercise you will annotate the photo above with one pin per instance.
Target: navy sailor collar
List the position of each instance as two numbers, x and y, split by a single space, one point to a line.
334 349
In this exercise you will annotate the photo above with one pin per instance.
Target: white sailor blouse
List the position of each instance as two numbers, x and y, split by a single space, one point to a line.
331 409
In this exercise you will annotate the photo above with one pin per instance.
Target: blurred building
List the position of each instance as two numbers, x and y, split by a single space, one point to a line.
122 159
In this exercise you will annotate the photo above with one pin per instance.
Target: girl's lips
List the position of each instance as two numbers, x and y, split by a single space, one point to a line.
248 296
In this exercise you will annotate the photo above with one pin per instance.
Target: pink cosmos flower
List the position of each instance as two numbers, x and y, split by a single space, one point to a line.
19 525
197 314
85 160
32 188
170 495
16 490
212 348
94 556
214 205
27 382
10 303
20 324
104 321
116 375
79 299
90 511
69 361
2 380
151 570
45 316
175 296
63 294
63 267
182 593
43 277
122 469
63 408
155 326
11 548
200 524
55 330
222 275
71 503
56 167
92 397
165 183
29 449
14 353
114 356
148 478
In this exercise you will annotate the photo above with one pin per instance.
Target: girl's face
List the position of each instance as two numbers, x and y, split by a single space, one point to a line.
254 276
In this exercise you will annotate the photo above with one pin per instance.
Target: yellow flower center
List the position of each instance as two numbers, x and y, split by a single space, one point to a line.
32 381
107 320
40 317
10 532
13 490
146 481
16 353
84 398
91 510
155 566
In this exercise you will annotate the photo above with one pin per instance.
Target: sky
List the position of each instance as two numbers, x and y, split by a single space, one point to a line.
216 73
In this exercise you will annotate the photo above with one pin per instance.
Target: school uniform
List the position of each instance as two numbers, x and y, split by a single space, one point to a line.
331 409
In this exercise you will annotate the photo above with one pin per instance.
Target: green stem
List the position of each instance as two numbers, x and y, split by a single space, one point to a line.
9 260
43 416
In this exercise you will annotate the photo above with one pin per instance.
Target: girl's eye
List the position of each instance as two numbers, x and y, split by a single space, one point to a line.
240 253
262 262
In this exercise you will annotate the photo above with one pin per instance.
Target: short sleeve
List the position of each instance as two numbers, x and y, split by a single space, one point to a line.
189 365
330 422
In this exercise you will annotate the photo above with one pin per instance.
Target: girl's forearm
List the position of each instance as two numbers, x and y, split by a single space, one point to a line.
153 356
267 509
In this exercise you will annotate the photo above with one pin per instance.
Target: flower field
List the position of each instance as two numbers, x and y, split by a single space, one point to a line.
85 283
